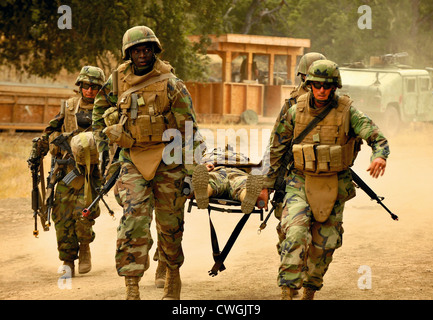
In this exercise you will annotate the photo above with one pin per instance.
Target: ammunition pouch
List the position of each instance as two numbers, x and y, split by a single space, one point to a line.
312 158
147 128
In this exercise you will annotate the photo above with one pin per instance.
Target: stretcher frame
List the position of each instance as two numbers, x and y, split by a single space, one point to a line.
217 204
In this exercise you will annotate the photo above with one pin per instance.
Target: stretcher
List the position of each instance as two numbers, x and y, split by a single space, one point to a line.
220 205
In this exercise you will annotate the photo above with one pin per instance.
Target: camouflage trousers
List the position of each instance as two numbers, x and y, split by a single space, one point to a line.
306 246
139 197
72 229
227 182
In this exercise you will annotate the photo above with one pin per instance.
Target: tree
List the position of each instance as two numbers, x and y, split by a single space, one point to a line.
31 41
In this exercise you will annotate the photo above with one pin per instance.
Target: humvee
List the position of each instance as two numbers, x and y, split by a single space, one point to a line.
389 93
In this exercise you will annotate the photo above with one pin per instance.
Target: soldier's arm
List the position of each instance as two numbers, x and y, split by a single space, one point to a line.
103 100
279 143
184 114
365 128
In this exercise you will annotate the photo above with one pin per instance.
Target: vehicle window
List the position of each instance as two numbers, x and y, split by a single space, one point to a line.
410 85
423 84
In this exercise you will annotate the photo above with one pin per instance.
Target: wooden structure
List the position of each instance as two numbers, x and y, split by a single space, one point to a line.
29 107
228 99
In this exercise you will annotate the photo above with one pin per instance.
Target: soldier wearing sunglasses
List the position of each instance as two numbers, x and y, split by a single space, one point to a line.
74 233
319 180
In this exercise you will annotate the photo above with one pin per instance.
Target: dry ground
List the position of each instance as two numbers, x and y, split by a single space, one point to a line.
398 253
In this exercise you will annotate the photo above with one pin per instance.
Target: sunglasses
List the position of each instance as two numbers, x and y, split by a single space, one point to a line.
325 85
86 86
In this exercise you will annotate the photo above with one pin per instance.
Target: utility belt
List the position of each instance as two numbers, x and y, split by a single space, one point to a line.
313 158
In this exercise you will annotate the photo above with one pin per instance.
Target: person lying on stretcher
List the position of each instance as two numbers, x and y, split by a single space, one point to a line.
226 174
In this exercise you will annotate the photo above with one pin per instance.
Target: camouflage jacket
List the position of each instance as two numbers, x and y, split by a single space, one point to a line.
282 134
181 108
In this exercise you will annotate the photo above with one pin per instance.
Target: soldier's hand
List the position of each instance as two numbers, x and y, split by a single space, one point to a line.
263 199
43 146
377 167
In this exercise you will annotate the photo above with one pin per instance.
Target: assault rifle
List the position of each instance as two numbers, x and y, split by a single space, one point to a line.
361 184
103 191
113 175
36 166
62 142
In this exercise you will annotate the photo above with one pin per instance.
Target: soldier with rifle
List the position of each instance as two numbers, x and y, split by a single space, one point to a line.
74 175
317 141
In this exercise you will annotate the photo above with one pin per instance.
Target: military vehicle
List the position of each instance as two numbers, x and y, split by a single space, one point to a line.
390 93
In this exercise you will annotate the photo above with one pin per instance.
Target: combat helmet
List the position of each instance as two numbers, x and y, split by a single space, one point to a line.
324 71
136 35
306 61
91 75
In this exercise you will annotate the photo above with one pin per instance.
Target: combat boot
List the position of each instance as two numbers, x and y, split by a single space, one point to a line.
84 259
200 180
70 265
132 289
160 274
172 285
287 293
253 188
308 294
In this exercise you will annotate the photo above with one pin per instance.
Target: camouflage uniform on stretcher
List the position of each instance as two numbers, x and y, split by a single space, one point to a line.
230 173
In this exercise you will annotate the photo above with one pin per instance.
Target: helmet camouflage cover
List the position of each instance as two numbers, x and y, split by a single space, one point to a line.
91 75
136 35
306 61
324 71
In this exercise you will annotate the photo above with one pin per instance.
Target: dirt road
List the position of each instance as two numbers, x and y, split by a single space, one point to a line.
395 255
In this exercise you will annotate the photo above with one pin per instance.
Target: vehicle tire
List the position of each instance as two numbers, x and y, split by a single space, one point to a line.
391 121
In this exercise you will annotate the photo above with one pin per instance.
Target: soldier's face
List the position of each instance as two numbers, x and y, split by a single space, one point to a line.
141 55
321 90
89 91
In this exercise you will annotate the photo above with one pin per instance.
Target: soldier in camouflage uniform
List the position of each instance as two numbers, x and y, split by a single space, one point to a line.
73 231
302 70
136 108
228 175
320 182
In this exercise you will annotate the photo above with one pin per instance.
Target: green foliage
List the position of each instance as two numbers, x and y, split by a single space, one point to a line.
30 39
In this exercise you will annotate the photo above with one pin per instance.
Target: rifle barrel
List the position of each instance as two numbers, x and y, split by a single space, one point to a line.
361 184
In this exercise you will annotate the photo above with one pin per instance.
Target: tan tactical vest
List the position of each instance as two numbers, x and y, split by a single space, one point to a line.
145 114
147 109
325 151
328 148
73 106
